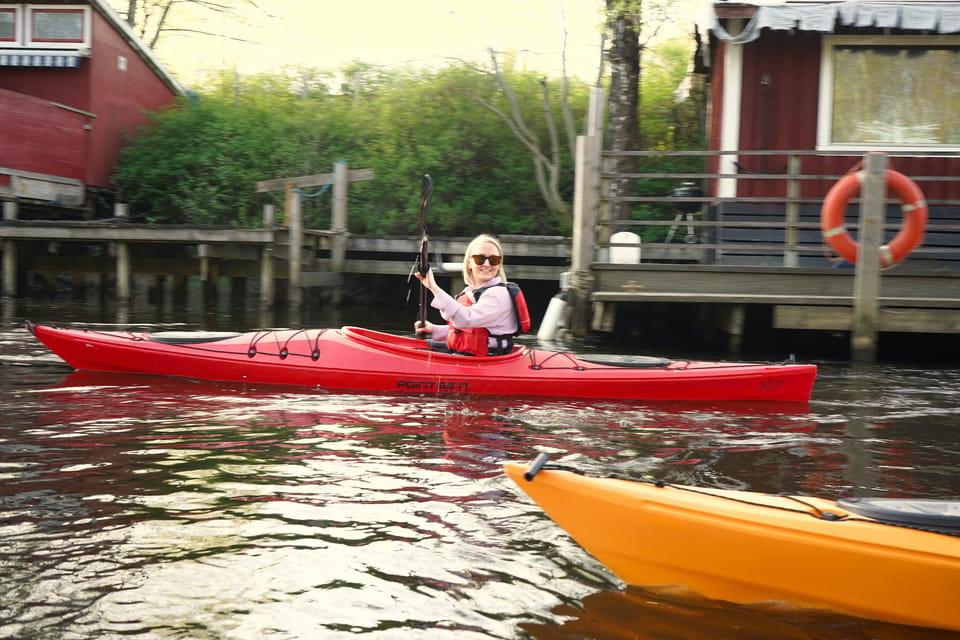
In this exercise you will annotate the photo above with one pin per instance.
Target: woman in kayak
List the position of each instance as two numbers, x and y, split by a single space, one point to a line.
482 319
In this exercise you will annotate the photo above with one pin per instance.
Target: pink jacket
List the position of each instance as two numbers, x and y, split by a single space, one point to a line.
494 311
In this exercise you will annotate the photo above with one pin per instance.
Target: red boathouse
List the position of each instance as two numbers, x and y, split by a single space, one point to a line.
826 76
74 79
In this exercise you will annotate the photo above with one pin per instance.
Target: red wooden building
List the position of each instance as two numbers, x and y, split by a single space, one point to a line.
833 77
829 81
73 80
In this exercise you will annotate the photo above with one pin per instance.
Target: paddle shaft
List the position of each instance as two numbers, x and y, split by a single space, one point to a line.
426 191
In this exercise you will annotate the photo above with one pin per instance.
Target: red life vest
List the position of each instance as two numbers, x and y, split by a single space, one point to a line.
472 340
475 340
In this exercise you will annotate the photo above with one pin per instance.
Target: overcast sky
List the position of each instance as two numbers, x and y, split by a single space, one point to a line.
327 34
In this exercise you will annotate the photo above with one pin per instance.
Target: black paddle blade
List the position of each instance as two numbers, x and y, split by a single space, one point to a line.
426 190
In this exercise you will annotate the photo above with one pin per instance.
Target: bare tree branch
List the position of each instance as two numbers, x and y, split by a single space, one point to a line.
569 127
547 170
151 19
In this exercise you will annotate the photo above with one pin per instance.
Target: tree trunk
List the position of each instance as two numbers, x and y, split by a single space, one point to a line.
623 128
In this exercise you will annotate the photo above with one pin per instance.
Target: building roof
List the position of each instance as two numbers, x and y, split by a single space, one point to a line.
64 57
939 16
121 26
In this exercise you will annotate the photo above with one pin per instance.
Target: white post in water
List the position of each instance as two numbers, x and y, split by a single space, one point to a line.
866 281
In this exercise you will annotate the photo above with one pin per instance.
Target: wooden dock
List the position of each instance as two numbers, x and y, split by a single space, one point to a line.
93 253
727 254
743 255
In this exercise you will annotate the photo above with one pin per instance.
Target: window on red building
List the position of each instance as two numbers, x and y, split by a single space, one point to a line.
56 25
8 25
894 92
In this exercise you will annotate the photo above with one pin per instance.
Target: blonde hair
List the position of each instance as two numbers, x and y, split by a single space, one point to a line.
473 248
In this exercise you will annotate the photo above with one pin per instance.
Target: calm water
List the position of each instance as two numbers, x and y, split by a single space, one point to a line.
159 508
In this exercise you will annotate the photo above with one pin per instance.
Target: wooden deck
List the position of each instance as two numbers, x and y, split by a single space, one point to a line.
801 298
734 253
727 258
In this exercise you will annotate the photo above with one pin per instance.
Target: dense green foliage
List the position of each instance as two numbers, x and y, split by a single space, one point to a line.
197 162
668 124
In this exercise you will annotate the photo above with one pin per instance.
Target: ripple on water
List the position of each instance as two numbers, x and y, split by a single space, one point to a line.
169 509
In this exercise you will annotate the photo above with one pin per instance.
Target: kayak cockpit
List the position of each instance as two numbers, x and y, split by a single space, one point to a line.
418 347
190 337
922 513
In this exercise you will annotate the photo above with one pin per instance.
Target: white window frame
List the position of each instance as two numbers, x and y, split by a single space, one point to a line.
17 25
82 43
825 108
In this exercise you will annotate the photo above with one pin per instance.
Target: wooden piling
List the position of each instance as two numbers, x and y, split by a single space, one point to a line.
584 214
790 256
341 177
9 254
338 224
266 261
294 246
866 281
123 259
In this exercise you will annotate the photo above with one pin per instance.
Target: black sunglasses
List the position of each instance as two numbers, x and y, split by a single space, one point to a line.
479 259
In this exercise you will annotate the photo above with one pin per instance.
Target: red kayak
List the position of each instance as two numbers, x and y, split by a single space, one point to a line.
357 359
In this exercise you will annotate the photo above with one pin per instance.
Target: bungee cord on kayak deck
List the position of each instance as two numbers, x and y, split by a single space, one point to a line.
283 353
251 351
540 464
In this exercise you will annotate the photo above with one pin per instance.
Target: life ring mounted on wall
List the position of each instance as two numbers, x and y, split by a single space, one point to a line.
909 236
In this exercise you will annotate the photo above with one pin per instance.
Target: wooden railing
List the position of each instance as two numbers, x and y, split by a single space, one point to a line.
762 218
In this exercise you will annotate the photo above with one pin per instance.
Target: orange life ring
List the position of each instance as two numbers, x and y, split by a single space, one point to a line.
909 236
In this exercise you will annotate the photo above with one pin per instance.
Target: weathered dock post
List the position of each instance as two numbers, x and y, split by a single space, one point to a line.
341 177
790 255
123 259
338 225
266 261
584 221
586 210
9 253
294 245
866 281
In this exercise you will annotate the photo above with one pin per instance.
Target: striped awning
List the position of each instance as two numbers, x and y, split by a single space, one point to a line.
937 16
20 58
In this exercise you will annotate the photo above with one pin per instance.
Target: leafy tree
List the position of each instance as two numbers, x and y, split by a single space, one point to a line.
197 163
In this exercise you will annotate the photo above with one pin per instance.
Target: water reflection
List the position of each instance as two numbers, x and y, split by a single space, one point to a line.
644 614
173 508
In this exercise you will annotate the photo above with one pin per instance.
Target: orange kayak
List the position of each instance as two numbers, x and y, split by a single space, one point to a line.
751 547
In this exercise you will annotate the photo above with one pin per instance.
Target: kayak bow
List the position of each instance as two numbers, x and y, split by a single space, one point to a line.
751 547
